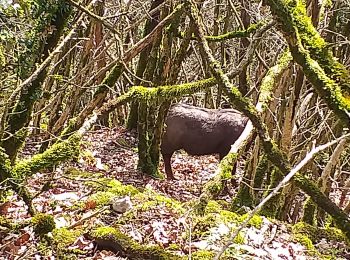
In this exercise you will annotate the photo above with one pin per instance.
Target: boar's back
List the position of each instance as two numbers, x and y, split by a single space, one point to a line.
201 131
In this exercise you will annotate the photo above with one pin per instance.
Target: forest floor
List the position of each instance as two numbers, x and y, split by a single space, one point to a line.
112 154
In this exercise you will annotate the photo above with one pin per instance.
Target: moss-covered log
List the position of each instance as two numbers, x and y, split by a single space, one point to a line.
112 239
275 155
57 153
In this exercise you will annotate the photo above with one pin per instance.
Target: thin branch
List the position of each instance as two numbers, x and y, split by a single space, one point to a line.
94 16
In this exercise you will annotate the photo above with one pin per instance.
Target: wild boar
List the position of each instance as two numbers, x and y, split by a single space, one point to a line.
200 131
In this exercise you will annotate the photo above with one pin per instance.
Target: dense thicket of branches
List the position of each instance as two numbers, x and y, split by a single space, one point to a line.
282 63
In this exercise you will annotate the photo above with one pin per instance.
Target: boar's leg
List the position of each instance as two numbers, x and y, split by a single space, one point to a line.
167 166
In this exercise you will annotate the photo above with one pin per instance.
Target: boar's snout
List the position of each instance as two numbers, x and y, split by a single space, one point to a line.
200 131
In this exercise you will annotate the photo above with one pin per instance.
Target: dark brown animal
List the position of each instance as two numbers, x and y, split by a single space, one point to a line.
200 131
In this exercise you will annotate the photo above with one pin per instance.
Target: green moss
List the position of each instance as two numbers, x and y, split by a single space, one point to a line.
2 57
128 247
309 216
242 198
118 188
271 208
44 247
256 221
70 128
305 241
5 174
229 217
102 197
215 186
4 222
329 77
112 188
74 172
110 79
212 207
239 239
316 233
261 172
57 153
174 247
150 199
64 237
43 224
309 235
202 225
235 34
272 76
202 255
88 157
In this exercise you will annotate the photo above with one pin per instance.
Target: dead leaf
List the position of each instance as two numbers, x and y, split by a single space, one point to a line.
22 240
90 204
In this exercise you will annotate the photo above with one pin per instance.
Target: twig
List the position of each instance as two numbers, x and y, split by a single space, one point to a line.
79 222
94 16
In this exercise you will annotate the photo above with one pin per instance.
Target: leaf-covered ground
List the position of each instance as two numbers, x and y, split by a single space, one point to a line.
74 192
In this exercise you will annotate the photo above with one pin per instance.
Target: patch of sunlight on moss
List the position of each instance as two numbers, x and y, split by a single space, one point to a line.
118 188
102 197
230 217
202 255
306 241
256 221
212 207
64 237
74 172
239 239
149 195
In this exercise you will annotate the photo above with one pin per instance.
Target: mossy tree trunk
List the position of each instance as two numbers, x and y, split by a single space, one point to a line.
20 116
243 84
150 24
